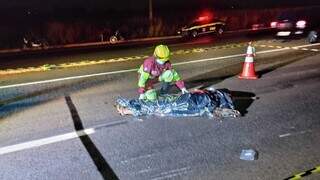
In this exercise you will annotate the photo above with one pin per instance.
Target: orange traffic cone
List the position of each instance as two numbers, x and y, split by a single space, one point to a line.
248 71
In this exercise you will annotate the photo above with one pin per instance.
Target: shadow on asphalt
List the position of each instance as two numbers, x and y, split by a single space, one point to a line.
242 100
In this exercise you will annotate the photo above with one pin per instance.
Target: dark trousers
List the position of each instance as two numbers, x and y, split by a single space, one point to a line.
165 87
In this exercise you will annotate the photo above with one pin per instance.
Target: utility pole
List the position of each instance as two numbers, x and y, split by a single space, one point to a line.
150 11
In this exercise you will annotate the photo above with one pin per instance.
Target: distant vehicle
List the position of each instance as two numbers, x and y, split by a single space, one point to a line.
297 23
203 27
116 37
258 26
259 29
34 43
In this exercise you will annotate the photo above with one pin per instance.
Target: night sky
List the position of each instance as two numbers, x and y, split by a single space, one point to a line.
49 5
20 17
70 9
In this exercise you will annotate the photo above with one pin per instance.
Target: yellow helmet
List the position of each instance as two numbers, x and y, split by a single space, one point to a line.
162 52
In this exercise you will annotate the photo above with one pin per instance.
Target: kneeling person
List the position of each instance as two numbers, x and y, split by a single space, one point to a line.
158 68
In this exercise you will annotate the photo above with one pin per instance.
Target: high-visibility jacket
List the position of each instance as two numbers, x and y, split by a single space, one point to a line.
150 71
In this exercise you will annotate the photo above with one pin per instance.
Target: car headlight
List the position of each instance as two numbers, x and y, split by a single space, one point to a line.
301 24
273 24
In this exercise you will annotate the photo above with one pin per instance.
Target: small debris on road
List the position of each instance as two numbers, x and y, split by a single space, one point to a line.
249 155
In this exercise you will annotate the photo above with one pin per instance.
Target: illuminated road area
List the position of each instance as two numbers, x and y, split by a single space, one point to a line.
61 123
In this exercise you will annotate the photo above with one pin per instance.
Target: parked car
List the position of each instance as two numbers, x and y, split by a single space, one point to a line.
203 27
297 23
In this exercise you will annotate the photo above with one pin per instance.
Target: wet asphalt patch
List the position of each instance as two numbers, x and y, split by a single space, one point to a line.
99 161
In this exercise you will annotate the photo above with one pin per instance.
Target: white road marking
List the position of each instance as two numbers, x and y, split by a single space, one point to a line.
57 138
132 70
285 135
44 141
172 173
296 133
67 78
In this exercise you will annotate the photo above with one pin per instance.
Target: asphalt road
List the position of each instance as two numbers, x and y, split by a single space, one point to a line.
61 123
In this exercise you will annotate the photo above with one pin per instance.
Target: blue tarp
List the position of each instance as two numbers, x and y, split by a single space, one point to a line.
197 103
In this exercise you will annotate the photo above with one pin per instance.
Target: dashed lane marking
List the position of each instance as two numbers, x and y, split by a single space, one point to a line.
48 67
285 135
294 48
304 174
120 59
132 70
296 133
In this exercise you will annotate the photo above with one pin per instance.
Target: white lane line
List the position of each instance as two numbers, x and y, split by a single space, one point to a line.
208 59
44 141
57 138
315 50
285 135
308 45
132 70
172 173
296 133
67 78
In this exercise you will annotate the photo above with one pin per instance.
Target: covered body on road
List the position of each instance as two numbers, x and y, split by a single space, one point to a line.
197 103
